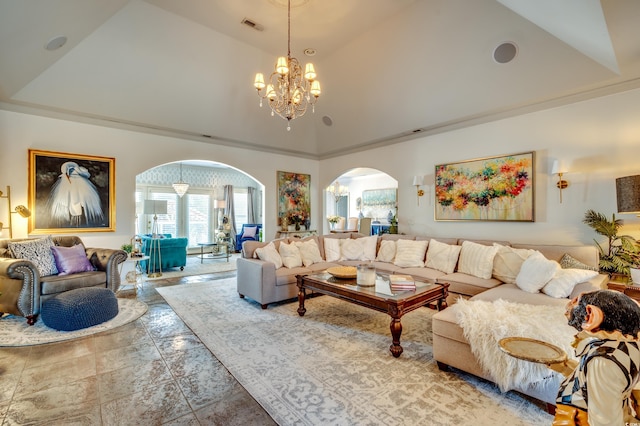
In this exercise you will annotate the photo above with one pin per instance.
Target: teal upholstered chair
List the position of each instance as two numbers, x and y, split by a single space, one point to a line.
172 253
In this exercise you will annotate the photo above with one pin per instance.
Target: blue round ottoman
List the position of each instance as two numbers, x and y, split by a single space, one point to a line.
79 308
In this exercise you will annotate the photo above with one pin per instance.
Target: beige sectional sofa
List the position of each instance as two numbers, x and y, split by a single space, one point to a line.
261 281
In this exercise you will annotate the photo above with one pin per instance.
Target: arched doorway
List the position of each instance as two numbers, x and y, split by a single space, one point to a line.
363 193
215 190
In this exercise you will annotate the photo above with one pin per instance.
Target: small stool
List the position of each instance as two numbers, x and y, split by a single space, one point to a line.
79 308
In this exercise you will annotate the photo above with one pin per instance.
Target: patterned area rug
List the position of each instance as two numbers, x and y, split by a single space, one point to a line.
333 366
14 330
195 267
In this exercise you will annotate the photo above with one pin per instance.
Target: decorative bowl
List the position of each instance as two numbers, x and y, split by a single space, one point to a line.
344 272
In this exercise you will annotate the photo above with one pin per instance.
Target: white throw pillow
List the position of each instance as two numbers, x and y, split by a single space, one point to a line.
351 250
290 255
563 282
309 252
369 246
508 262
269 253
410 253
387 251
535 272
442 257
332 249
477 259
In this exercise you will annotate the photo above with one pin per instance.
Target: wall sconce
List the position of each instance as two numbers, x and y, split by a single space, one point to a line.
21 210
559 169
628 194
418 181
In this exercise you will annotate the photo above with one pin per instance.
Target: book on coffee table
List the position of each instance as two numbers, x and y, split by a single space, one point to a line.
402 282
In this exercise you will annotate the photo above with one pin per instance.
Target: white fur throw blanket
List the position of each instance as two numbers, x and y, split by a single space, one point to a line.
485 323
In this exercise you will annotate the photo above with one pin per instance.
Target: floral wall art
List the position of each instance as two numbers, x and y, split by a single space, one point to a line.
294 198
492 189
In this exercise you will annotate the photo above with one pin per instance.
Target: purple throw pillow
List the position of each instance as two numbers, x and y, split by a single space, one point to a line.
71 260
249 232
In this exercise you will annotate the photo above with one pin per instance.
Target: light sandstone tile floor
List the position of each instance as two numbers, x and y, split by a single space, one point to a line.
153 371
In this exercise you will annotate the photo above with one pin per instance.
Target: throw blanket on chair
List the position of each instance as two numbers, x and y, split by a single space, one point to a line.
485 323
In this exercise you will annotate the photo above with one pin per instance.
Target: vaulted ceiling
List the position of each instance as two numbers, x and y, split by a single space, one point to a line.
390 70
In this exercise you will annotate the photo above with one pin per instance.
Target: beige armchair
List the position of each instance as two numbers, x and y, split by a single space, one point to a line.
24 290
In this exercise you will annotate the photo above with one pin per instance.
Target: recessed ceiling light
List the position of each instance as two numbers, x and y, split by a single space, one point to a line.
505 52
327 120
310 51
56 43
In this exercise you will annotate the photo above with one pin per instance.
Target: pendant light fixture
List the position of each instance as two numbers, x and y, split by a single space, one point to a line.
180 187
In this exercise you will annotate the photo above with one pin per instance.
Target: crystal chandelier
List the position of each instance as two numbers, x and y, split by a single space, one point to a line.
290 91
180 187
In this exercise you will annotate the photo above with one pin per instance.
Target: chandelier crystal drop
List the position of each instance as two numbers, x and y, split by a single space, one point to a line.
289 90
180 187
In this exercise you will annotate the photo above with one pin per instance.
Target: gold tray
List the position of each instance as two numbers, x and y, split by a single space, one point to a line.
344 272
532 350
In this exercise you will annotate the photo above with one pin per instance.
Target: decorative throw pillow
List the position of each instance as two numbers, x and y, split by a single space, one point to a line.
290 255
269 253
71 260
309 252
442 257
332 249
410 253
369 245
477 259
351 250
508 261
387 251
535 272
249 232
38 252
563 282
570 262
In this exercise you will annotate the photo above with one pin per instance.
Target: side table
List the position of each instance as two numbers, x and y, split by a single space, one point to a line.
137 272
633 291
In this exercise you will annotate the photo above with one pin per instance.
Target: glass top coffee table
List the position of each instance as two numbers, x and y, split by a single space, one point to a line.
378 297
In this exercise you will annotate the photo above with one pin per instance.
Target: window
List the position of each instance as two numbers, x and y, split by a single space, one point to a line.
198 218
240 205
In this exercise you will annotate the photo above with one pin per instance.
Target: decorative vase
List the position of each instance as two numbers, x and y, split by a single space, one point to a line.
332 225
635 276
284 224
297 226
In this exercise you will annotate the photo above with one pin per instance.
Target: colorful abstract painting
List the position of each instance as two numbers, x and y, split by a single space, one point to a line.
494 188
294 201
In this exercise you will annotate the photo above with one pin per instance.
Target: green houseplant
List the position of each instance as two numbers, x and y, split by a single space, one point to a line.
623 251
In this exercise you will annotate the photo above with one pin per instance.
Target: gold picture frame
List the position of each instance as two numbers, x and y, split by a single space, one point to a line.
499 188
70 193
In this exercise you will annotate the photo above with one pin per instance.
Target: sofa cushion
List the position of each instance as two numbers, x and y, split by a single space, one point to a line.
428 274
563 282
38 252
332 249
442 257
468 285
268 253
287 276
410 253
70 260
290 255
387 251
535 272
309 251
570 262
508 261
477 259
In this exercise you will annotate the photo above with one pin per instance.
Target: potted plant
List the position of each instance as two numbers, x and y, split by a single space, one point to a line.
333 220
623 250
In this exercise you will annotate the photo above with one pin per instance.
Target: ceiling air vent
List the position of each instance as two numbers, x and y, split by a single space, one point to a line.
249 23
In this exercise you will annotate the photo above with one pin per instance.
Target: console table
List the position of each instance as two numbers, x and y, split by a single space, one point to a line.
296 234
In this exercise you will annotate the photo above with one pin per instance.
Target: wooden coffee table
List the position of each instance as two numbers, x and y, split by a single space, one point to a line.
378 298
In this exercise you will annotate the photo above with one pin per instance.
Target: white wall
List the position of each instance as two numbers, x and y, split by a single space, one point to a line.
134 152
599 139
